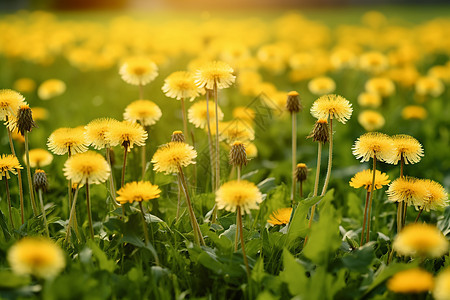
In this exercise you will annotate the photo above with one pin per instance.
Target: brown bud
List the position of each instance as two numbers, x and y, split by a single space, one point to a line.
301 172
25 120
321 132
293 104
178 136
40 180
238 155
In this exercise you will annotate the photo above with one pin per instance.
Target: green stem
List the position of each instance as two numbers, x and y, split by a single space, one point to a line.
372 188
43 212
399 216
88 204
112 188
365 218
30 182
72 214
144 224
141 91
294 155
300 189
216 103
143 159
418 215
8 197
211 151
330 159
236 235
241 234
125 151
179 200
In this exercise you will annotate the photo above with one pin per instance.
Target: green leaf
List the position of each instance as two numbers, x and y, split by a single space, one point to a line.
360 259
103 261
293 274
258 270
10 280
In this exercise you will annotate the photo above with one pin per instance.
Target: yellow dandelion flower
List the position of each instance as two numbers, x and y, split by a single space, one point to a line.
8 163
245 114
407 148
51 88
181 85
333 107
407 189
96 130
371 120
380 85
441 289
369 99
85 167
321 85
137 192
421 240
138 70
216 73
238 193
235 130
374 62
24 85
39 257
39 158
169 157
411 282
145 112
437 197
10 101
414 112
126 134
364 179
39 113
251 150
67 140
280 216
343 58
197 114
373 143
429 86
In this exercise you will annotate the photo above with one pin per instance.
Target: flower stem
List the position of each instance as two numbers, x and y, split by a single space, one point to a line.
141 91
372 188
405 204
30 182
144 224
216 103
88 204
294 154
125 151
179 201
365 218
300 189
330 159
43 212
8 197
211 151
183 113
72 215
241 233
399 216
143 158
418 215
236 236
112 188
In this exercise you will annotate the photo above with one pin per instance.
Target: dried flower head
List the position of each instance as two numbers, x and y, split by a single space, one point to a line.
126 134
373 144
10 101
172 156
371 120
411 281
214 74
178 136
85 167
138 70
96 130
145 112
238 193
321 85
8 163
280 216
407 148
40 181
67 140
39 257
238 155
365 178
333 107
293 104
421 240
51 88
39 158
181 85
138 191
321 131
301 172
407 189
197 114
25 120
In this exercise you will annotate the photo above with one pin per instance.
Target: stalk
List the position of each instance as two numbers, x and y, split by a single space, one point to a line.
30 182
216 102
141 91
211 152
418 215
72 214
365 218
144 224
43 212
236 238
179 201
88 204
122 181
183 112
241 229
143 155
8 197
294 154
405 204
330 159
372 188
401 207
112 188
300 189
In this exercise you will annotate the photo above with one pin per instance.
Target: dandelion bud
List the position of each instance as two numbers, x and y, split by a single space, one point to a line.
25 120
40 181
320 132
301 172
178 136
293 104
238 155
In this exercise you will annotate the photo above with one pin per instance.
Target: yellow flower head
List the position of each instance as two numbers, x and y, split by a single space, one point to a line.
369 99
364 179
245 114
235 130
67 140
126 134
216 73
333 107
51 88
10 101
169 157
407 189
238 193
137 191
373 144
437 197
407 148
374 62
39 158
321 85
251 150
441 289
96 131
429 86
8 163
145 112
371 120
411 281
181 85
24 85
138 71
197 114
380 85
88 167
414 112
421 240
39 257
280 216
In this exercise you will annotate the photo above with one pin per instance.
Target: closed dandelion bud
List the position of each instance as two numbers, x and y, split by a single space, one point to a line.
40 181
293 104
238 156
25 120
301 172
321 132
178 136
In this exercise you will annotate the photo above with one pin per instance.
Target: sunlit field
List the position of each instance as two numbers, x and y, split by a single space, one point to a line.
206 155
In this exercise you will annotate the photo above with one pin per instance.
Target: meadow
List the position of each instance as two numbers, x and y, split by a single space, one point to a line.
127 202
